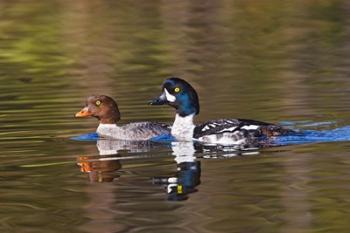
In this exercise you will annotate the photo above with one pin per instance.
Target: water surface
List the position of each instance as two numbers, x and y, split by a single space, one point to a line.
275 61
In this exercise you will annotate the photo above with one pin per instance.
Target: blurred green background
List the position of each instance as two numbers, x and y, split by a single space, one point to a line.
267 60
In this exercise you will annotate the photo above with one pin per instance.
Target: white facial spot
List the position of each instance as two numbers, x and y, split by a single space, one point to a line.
169 96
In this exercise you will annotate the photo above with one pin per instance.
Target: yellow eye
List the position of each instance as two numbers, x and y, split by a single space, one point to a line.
98 103
177 89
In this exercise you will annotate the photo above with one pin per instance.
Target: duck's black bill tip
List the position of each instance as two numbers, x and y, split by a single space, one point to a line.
157 101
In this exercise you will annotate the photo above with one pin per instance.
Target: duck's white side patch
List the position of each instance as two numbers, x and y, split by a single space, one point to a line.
183 127
225 139
169 96
250 127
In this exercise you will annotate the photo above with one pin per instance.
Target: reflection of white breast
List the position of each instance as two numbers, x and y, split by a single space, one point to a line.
112 146
184 151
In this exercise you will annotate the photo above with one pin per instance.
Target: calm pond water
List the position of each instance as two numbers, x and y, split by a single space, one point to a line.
278 61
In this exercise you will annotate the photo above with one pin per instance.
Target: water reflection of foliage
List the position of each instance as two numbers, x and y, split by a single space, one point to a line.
268 60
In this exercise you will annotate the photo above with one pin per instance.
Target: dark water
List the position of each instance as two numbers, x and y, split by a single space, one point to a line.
277 61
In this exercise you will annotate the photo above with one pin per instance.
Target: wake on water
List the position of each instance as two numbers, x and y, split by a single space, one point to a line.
313 135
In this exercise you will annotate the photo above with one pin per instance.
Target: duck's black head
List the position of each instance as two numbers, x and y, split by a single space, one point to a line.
179 94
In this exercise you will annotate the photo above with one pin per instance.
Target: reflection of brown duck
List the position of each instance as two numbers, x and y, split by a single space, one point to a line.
99 170
105 109
103 168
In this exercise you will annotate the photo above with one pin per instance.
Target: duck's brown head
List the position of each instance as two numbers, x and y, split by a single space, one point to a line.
102 107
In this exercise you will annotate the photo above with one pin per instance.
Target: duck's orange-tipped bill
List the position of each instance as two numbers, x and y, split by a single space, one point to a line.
83 113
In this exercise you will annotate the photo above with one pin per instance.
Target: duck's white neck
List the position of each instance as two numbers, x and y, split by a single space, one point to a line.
109 130
183 127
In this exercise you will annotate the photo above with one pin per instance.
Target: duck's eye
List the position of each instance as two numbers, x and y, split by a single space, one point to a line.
177 89
98 103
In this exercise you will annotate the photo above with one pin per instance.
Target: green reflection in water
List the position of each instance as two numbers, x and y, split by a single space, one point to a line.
267 60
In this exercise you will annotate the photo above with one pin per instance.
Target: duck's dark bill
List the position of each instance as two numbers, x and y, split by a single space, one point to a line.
158 101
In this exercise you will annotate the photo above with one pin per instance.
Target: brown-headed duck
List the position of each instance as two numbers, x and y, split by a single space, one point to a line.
105 109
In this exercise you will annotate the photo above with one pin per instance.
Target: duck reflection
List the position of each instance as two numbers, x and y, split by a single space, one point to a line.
104 167
188 173
99 171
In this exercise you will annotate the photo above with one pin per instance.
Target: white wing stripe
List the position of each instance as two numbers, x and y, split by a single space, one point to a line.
206 128
228 129
250 127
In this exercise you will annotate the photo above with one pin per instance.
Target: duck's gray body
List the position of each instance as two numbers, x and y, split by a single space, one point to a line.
137 131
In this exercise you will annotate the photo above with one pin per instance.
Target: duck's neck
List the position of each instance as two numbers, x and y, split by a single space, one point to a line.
109 130
108 120
183 127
